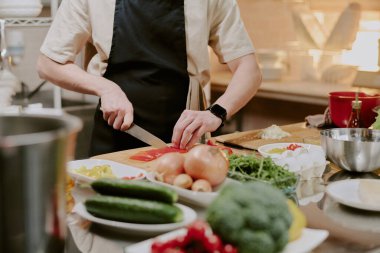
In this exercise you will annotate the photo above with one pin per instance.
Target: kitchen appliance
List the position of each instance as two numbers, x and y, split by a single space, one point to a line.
352 149
33 154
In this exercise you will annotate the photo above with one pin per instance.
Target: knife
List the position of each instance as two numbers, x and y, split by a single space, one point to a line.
145 136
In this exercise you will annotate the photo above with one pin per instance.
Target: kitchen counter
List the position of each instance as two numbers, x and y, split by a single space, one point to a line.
351 230
309 92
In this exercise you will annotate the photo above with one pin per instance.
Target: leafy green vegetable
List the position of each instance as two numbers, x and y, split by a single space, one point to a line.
376 124
252 216
252 168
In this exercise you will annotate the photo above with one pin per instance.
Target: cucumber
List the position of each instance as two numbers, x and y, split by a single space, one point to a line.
134 189
133 210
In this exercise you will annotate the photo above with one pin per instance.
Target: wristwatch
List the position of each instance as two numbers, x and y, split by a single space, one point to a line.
219 112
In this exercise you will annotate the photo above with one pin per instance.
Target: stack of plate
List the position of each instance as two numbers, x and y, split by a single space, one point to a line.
20 8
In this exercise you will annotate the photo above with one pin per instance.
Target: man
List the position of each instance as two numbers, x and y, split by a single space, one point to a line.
151 60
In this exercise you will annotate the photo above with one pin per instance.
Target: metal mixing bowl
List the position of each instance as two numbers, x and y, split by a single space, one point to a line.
352 149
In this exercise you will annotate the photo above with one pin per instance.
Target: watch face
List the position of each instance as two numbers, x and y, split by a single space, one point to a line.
219 111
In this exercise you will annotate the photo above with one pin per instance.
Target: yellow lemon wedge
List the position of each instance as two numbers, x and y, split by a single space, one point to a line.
299 221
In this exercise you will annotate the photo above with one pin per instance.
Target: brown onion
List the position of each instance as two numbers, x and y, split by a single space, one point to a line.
207 162
201 185
183 181
168 166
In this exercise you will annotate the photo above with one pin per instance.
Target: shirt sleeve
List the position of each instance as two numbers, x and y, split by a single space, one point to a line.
228 36
69 31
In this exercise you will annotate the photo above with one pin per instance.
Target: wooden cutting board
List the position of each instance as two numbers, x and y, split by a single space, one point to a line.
251 139
123 157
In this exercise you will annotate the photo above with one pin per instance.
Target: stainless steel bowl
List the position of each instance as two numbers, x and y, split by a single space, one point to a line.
352 149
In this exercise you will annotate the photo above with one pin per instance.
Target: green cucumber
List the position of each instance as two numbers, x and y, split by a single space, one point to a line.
133 210
134 189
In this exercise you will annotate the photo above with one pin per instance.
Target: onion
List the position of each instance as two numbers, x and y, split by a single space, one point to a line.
201 185
183 181
207 162
168 166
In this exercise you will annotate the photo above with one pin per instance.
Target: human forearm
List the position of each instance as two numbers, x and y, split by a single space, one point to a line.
72 77
117 110
243 86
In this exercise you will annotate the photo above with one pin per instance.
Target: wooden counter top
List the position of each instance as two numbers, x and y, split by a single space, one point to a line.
310 92
350 230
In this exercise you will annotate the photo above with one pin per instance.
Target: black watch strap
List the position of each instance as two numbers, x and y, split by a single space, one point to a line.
219 112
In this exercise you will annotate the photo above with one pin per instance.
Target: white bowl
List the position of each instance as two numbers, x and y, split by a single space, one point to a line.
19 2
19 5
308 161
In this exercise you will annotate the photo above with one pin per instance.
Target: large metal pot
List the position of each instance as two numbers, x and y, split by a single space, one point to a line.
33 155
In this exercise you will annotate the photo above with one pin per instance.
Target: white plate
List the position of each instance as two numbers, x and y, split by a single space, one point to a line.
264 150
118 169
309 240
189 215
197 198
347 192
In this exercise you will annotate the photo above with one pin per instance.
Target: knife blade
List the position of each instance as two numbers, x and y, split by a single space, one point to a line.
145 136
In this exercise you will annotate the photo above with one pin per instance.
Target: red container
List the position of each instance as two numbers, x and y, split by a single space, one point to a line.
340 107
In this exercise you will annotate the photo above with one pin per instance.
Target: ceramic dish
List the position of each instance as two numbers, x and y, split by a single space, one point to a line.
356 193
265 149
135 228
20 11
197 198
118 169
309 240
308 161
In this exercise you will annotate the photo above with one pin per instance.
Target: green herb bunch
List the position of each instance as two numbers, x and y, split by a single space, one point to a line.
246 168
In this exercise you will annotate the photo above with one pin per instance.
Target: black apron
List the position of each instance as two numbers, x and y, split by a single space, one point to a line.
148 61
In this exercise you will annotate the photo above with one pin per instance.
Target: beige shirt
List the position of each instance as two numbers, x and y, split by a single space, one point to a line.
214 23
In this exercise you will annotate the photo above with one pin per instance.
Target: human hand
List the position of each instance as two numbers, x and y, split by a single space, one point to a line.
117 109
191 126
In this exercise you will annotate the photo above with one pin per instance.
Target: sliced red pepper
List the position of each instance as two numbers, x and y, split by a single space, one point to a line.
293 146
142 156
133 177
151 154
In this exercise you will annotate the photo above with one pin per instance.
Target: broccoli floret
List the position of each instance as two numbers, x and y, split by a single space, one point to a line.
258 242
256 217
282 241
253 216
230 227
277 228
